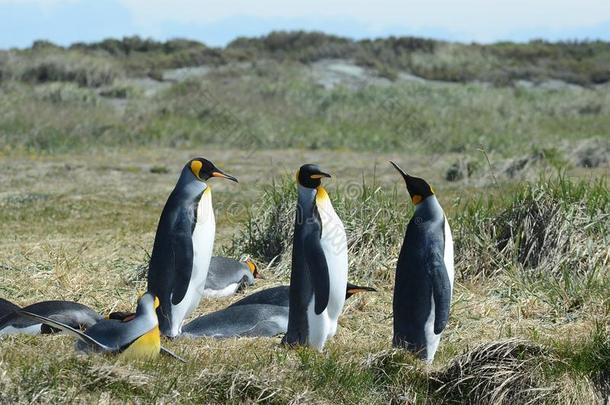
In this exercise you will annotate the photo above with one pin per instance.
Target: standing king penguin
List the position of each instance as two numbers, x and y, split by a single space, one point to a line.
319 264
424 274
183 245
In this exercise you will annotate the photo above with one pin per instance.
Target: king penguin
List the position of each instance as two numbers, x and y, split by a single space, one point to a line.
318 279
226 276
424 274
264 314
136 337
183 245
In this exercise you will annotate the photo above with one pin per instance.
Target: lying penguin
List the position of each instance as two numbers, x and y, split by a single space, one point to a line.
136 337
73 314
262 314
280 295
227 276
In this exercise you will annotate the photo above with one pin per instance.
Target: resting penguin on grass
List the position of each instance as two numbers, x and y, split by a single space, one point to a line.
75 315
183 245
137 337
262 314
227 276
280 295
424 274
319 264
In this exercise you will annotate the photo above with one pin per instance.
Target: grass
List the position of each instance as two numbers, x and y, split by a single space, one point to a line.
583 63
94 225
274 111
91 152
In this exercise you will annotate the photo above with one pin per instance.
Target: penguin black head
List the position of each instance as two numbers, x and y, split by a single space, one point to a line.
310 176
203 169
418 188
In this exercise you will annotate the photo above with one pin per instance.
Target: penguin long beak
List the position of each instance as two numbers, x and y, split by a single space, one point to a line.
355 289
402 172
319 175
223 175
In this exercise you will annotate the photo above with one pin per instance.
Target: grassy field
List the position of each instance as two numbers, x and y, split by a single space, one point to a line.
92 146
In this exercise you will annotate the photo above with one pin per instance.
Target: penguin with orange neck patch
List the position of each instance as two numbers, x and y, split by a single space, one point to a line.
424 274
318 279
228 276
183 245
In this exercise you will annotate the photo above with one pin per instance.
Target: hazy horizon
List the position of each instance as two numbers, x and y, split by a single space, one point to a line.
217 23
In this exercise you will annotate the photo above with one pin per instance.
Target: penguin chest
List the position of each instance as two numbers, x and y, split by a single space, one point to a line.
448 252
334 245
145 347
221 292
203 240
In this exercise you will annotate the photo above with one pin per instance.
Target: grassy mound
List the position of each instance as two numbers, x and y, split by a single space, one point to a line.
553 228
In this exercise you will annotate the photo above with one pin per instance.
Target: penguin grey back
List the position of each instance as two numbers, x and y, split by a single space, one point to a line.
271 296
224 271
242 320
280 295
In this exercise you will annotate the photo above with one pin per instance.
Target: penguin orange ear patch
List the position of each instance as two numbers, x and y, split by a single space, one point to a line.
416 199
196 167
251 266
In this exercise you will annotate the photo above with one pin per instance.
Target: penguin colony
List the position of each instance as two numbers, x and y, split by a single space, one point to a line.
182 271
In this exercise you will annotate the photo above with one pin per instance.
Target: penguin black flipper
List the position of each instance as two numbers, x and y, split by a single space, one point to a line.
316 261
182 252
66 328
441 291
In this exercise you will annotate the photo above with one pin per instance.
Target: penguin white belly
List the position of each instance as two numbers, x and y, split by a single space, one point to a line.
29 330
334 245
448 253
432 339
203 244
319 326
223 292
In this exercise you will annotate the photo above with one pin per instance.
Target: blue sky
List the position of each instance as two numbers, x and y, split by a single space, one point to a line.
217 22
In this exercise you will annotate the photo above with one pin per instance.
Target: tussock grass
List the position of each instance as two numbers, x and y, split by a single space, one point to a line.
548 227
553 229
373 222
111 96
501 372
502 63
59 66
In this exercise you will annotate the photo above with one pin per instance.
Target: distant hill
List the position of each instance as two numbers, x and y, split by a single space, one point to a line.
584 63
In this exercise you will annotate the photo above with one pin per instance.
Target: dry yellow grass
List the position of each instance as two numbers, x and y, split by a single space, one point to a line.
79 228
